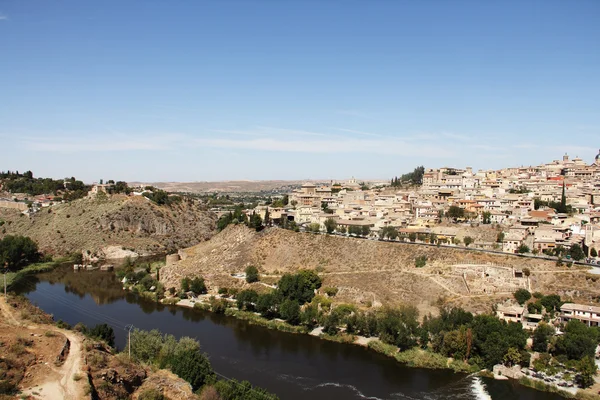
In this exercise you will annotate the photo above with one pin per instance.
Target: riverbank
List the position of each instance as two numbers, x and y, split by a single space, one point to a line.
13 278
416 358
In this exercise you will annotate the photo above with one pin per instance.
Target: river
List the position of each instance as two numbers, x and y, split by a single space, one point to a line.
292 366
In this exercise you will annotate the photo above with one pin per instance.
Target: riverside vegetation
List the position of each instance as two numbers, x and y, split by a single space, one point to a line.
455 339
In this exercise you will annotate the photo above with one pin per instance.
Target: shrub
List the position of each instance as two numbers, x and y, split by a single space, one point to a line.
252 274
197 285
331 291
246 299
420 261
185 284
193 367
218 305
103 332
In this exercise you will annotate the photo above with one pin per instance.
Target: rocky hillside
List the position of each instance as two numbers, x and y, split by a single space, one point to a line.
365 272
36 362
107 225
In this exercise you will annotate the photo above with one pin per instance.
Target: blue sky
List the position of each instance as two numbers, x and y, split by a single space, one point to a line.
192 90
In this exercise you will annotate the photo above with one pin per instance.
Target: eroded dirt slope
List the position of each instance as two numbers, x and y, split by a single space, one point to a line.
366 272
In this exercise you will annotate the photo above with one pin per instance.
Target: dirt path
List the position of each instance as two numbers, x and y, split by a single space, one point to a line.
60 384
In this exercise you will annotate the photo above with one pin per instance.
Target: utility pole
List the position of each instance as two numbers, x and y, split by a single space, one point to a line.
129 328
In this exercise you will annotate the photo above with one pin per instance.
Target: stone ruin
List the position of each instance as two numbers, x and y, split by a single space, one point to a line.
491 279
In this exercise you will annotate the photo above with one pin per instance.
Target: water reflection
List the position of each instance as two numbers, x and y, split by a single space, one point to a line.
293 366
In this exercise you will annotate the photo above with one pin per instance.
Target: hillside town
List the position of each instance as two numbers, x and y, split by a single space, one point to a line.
544 209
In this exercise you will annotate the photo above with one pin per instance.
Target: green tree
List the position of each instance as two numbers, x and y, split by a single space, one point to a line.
412 236
455 343
252 274
523 248
290 311
103 332
541 337
198 286
246 299
578 340
522 295
500 237
576 252
300 286
551 302
365 230
185 284
593 252
266 305
512 357
562 207
18 251
467 240
314 227
388 232
587 370
255 222
455 212
433 238
330 225
487 217
192 366
267 217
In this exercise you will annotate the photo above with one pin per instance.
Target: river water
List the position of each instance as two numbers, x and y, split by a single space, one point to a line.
292 366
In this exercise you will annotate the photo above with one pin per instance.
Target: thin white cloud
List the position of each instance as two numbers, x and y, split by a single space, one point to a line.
355 113
102 143
3 17
268 131
358 132
329 146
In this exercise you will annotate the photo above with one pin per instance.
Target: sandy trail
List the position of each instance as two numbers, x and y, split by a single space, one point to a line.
60 383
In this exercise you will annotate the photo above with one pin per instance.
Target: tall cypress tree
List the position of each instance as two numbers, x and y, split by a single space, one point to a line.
563 201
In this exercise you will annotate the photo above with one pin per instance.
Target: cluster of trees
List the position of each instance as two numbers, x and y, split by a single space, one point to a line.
388 232
574 349
293 291
280 203
185 358
161 197
195 285
575 252
237 216
415 177
359 230
480 340
70 188
102 332
18 251
118 187
560 206
143 279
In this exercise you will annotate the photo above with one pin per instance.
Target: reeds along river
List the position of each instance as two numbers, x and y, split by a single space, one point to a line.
292 366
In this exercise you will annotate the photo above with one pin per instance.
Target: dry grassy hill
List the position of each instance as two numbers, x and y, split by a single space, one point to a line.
366 272
129 222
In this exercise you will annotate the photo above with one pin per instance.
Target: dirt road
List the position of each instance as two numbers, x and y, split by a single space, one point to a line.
57 382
